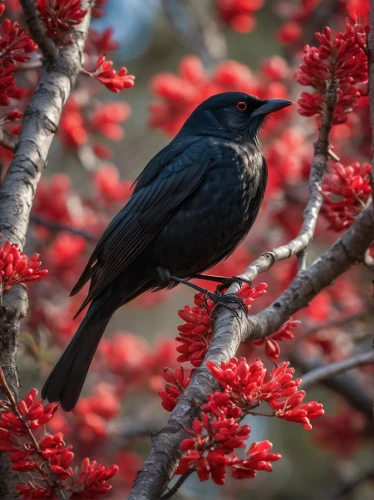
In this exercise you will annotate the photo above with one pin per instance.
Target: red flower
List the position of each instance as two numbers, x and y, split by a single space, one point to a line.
92 480
115 81
248 388
15 43
196 335
46 455
105 119
59 16
94 412
109 187
342 61
346 191
8 88
98 8
290 32
16 267
210 449
272 349
101 42
342 433
239 14
179 95
258 459
177 383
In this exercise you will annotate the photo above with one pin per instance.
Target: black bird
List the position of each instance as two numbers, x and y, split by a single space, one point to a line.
193 204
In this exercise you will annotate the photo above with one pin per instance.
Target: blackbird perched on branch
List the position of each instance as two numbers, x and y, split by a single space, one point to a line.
193 204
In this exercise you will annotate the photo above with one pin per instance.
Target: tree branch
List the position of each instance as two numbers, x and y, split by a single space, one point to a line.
37 30
327 371
39 126
344 384
56 227
232 329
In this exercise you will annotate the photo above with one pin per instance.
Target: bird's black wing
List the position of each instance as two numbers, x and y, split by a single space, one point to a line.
144 216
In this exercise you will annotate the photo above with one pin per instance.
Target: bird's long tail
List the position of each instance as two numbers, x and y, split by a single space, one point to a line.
66 380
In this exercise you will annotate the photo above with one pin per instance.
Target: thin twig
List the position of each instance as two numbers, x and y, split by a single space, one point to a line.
333 369
57 227
337 323
177 485
348 486
345 384
37 30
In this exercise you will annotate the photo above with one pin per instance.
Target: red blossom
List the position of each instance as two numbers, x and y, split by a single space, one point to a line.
238 14
177 382
115 81
95 412
16 267
272 349
101 42
59 16
341 62
210 449
196 334
81 124
109 187
249 385
45 457
98 8
342 433
346 191
15 44
178 95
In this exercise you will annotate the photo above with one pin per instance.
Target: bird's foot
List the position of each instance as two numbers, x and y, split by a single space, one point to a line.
230 301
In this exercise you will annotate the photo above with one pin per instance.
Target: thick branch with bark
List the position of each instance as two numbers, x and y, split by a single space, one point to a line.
39 126
232 329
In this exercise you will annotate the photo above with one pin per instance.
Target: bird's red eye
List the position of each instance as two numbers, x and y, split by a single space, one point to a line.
241 105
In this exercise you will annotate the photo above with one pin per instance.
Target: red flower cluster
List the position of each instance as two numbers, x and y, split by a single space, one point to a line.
100 43
15 43
239 14
46 458
111 190
81 124
211 448
115 81
95 412
16 267
57 201
59 16
342 433
272 349
341 62
248 388
177 383
196 335
346 191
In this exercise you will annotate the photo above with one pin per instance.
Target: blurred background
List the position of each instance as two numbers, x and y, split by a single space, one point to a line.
181 52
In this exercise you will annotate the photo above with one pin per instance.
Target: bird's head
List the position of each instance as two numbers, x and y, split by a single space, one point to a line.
231 114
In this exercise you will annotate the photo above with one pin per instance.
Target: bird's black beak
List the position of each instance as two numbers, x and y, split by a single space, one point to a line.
271 105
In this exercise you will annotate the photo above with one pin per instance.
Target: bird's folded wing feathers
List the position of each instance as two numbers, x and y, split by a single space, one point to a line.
142 218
